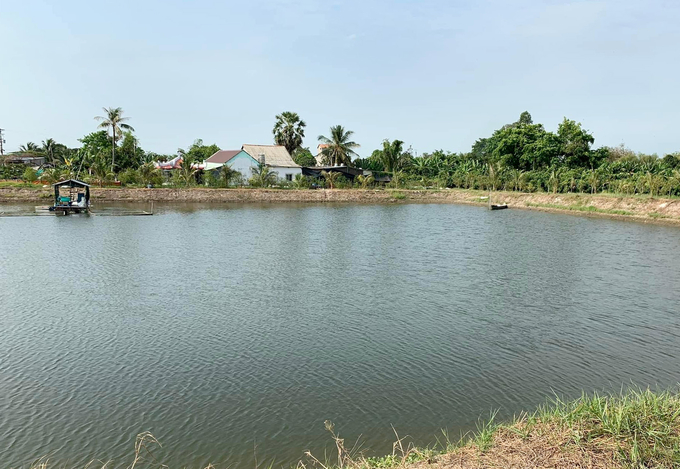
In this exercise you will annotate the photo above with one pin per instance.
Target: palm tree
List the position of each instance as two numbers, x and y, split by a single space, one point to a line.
227 174
29 147
340 149
331 177
365 181
263 176
392 155
100 169
48 147
115 121
148 173
289 131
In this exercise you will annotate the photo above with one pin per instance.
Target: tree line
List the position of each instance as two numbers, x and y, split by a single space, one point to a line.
520 156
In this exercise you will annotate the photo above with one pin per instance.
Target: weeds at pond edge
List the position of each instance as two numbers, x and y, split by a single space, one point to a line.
634 429
581 208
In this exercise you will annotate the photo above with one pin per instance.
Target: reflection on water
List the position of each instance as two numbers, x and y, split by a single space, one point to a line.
220 327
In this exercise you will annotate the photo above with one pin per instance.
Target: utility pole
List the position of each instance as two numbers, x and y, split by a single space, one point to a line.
2 142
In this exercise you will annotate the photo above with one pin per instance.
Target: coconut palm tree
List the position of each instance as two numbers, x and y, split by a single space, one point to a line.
263 176
226 174
331 177
48 147
340 149
115 121
289 131
392 155
29 147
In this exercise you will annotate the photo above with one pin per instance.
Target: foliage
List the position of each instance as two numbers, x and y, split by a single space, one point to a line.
304 157
289 131
130 154
331 177
339 148
115 121
392 156
198 152
302 182
29 175
129 177
96 142
149 174
263 176
101 171
365 181
29 147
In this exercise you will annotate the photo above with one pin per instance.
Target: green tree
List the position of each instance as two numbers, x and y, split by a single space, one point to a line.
30 147
331 177
49 148
226 174
525 119
525 147
148 173
303 157
576 144
340 149
198 152
289 130
29 175
263 176
393 156
115 121
96 143
365 181
130 154
101 170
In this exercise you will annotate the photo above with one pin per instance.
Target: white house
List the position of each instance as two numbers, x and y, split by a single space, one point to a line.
249 156
276 157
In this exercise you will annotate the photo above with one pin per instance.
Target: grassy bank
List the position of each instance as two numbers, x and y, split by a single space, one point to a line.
640 208
636 429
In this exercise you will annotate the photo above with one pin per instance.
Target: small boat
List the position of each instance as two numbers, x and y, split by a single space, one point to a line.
498 206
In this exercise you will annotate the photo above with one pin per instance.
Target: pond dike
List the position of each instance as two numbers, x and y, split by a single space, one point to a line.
639 208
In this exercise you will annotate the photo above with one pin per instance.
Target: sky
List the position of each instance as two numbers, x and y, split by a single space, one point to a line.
437 74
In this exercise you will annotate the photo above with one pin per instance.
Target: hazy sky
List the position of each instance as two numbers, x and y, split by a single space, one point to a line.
434 73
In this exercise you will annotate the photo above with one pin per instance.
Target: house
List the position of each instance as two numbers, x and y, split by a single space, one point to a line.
28 159
235 159
276 157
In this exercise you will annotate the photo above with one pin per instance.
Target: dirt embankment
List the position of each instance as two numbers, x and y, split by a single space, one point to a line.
639 208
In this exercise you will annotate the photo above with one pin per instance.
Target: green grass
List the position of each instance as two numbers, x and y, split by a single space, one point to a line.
658 216
636 429
20 185
396 195
582 208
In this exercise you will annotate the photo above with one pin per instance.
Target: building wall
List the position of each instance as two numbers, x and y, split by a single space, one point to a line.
242 163
283 171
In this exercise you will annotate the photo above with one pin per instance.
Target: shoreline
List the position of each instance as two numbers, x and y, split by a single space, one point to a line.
642 209
636 428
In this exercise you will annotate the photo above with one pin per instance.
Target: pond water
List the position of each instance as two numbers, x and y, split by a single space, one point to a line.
232 332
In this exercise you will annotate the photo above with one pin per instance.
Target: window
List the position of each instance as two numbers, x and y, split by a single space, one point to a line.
289 177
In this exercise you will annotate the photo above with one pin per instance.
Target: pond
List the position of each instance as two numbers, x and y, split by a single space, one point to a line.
232 332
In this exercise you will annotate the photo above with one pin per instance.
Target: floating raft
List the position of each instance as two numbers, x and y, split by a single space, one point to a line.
112 212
